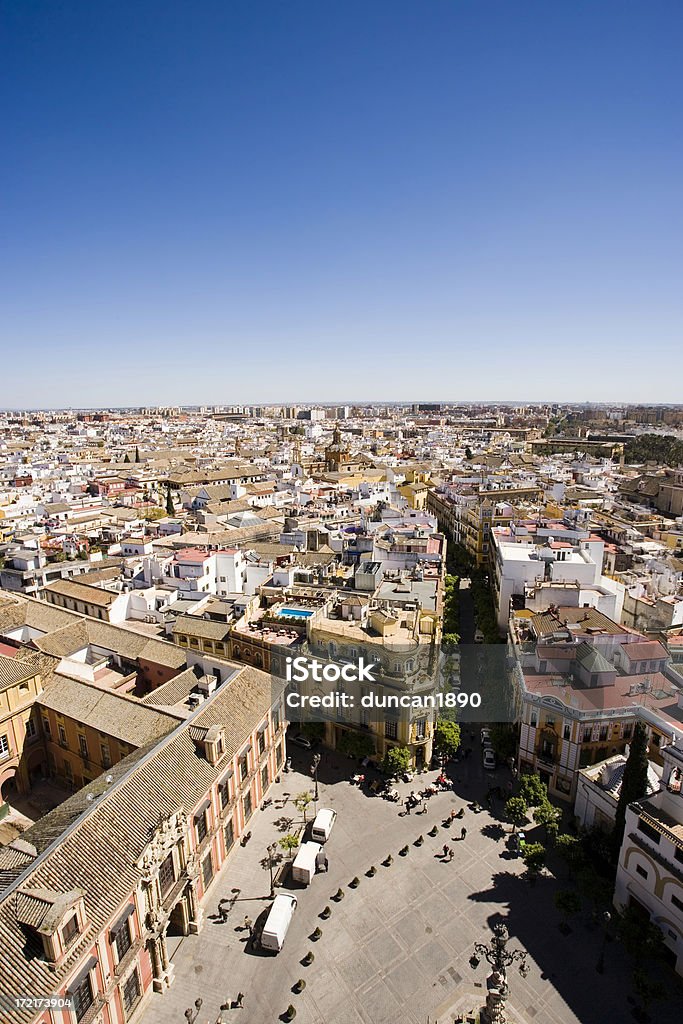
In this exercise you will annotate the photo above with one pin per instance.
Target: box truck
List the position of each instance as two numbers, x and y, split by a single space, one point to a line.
303 867
278 921
322 826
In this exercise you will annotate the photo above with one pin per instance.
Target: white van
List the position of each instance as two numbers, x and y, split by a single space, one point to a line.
303 867
322 826
278 921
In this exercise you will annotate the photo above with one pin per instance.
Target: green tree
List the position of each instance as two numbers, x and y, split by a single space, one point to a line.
633 783
355 744
447 737
127 458
568 903
504 740
302 801
289 843
640 938
571 851
516 811
170 510
532 789
647 989
468 453
396 761
549 817
137 454
533 856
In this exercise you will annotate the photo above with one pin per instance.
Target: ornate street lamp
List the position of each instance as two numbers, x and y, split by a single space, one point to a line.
600 966
190 1014
272 850
500 958
314 773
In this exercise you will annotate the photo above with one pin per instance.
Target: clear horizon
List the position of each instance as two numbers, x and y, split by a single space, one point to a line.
258 200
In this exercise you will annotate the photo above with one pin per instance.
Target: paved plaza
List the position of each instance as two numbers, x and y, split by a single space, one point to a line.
397 948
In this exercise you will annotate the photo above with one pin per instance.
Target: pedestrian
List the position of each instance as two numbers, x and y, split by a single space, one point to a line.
445 849
239 1002
407 806
463 832
451 852
223 910
249 925
452 814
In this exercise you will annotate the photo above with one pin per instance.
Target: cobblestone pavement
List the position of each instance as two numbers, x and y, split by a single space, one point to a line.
396 948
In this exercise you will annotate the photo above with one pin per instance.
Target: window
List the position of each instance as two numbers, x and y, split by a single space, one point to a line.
122 941
31 731
261 742
276 719
70 930
82 997
4 746
264 778
207 871
246 802
604 730
166 875
641 871
244 766
46 727
83 746
628 731
229 833
106 756
200 825
62 735
420 729
567 732
391 730
130 991
68 771
587 733
677 902
534 720
648 830
224 793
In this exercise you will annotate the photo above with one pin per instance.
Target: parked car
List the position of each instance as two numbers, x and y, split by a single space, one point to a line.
489 759
517 842
301 741
486 738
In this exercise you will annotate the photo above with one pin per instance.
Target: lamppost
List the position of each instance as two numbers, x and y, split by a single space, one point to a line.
314 773
500 958
600 966
272 850
190 1014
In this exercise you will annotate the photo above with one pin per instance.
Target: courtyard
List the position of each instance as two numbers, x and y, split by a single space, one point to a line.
396 948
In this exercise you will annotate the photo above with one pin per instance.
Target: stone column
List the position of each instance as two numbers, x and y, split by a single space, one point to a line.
196 914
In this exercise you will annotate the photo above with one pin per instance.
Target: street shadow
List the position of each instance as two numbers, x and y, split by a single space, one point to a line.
493 831
568 963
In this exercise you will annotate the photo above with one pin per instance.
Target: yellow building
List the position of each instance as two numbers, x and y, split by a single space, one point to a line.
20 684
87 729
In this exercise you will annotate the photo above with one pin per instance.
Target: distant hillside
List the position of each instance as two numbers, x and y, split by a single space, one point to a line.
664 449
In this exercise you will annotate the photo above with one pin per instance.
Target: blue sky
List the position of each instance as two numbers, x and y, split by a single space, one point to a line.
294 200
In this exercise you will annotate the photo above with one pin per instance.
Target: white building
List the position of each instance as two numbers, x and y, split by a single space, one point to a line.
650 873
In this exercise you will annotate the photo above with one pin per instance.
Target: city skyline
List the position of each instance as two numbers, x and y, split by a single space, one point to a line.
271 202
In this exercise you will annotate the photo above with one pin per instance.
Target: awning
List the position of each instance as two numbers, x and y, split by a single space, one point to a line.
82 974
119 923
202 809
